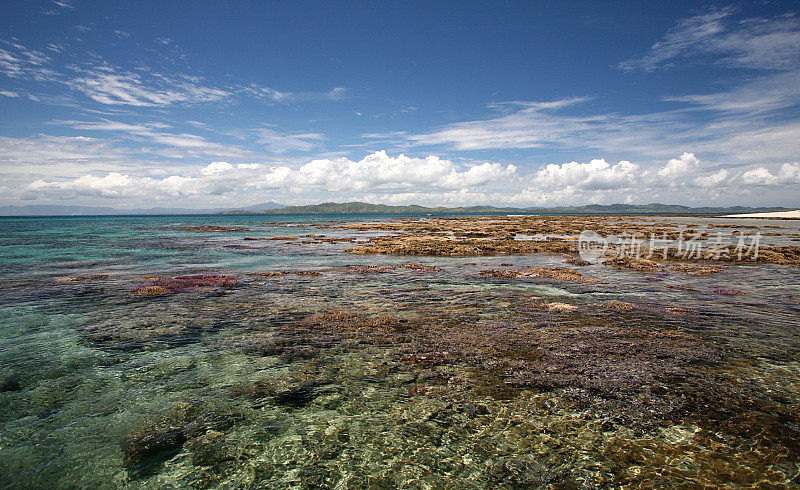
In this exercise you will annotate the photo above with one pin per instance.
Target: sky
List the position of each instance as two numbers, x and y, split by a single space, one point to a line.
225 104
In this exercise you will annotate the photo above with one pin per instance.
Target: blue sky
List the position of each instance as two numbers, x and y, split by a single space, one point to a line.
515 103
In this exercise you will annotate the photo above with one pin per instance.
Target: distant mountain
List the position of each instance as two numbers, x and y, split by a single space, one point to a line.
57 210
366 208
654 208
265 206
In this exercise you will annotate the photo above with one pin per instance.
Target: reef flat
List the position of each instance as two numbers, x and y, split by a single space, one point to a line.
435 352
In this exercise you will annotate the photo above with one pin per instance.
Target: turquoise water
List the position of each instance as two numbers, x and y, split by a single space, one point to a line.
397 379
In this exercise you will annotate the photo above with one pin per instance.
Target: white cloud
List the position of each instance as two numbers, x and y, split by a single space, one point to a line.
114 185
530 126
267 93
788 174
17 61
375 172
378 170
108 85
55 151
432 180
281 142
758 96
112 85
337 93
772 44
679 167
597 174
742 137
180 144
713 181
214 168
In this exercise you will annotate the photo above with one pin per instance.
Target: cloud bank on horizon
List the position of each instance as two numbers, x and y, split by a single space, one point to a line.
101 106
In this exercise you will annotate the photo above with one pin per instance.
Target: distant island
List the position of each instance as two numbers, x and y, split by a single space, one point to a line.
366 208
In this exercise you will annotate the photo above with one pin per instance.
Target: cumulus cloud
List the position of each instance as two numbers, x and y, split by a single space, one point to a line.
215 168
375 172
679 167
787 174
379 170
713 181
432 180
597 174
113 185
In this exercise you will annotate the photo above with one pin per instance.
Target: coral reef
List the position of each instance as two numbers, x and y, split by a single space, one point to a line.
478 236
160 285
729 292
213 228
554 273
146 450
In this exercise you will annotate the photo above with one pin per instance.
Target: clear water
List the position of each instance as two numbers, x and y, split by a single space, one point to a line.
86 365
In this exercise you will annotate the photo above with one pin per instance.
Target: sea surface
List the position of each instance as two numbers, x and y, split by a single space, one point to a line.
248 386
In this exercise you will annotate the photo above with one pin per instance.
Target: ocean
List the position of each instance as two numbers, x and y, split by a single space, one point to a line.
288 362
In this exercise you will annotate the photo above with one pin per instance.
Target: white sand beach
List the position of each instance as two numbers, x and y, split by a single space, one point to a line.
783 214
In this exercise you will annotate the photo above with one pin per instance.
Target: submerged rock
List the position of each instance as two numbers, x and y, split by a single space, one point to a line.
285 273
209 449
293 396
160 285
212 228
296 397
473 410
144 452
528 473
555 273
11 383
698 269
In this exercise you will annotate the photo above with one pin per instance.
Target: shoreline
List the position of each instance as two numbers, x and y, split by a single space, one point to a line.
778 215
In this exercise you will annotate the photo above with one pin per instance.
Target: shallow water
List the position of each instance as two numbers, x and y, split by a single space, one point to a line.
399 378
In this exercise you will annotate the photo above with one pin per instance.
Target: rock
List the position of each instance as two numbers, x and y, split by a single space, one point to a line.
473 410
143 453
578 262
318 477
209 449
160 285
212 228
729 292
296 397
10 384
556 273
519 471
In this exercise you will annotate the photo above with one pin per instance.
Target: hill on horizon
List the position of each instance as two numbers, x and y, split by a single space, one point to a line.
356 207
